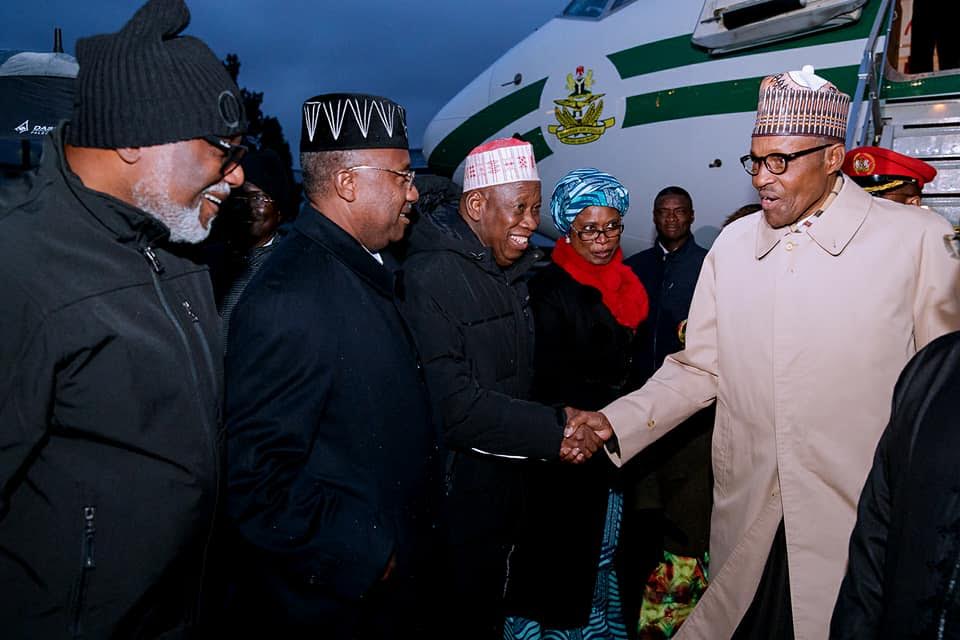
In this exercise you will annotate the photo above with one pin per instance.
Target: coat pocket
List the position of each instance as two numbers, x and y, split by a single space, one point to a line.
721 442
87 565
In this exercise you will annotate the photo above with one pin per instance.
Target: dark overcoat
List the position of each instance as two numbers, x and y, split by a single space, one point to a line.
583 358
902 574
332 452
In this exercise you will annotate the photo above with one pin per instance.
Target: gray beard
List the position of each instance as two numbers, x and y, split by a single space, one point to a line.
152 194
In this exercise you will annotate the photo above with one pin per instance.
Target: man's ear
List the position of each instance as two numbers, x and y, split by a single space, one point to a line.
835 155
474 203
130 155
914 200
345 185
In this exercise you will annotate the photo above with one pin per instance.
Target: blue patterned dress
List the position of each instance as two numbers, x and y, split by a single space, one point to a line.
606 613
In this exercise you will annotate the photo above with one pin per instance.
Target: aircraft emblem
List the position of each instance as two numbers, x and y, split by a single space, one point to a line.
579 113
23 127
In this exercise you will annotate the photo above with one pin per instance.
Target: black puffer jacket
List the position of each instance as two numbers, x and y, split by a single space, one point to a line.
474 330
903 575
109 413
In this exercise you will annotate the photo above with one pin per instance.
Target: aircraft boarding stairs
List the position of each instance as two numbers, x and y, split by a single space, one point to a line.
929 130
926 126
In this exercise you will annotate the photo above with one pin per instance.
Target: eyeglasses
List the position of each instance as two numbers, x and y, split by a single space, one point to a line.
256 199
408 174
776 163
232 153
590 235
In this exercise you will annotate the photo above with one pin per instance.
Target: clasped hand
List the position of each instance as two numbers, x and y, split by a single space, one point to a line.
584 433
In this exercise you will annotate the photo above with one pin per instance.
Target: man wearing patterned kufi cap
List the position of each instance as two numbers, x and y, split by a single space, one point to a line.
333 466
800 323
468 305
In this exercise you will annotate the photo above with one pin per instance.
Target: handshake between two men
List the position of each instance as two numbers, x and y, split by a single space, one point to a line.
583 435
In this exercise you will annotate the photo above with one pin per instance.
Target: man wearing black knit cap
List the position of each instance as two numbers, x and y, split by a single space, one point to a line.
110 386
333 470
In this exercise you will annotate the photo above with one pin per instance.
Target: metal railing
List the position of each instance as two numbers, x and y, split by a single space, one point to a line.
869 79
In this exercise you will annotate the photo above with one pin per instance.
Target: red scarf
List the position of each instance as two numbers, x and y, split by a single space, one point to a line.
621 290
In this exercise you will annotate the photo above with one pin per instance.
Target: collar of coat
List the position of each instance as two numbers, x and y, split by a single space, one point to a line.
345 248
837 226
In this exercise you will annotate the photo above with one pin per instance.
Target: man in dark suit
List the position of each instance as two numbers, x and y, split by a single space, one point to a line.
332 450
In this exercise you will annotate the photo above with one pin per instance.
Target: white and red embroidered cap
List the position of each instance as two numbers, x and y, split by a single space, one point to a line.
500 161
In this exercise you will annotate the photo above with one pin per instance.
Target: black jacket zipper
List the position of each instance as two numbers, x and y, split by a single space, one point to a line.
87 564
156 270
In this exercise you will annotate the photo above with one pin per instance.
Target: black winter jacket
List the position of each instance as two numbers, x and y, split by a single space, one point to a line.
473 324
109 412
903 574
475 333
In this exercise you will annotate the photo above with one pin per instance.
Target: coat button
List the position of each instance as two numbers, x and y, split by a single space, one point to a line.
789 246
651 423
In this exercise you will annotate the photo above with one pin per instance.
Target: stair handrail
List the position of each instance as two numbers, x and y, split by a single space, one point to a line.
869 76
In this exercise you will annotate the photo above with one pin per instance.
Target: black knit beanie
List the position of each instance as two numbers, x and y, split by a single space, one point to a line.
145 85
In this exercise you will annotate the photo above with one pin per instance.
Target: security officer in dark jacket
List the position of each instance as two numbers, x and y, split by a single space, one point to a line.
110 389
902 573
332 468
467 303
670 497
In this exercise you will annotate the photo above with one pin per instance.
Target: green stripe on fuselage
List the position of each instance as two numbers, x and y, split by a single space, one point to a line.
730 96
933 86
646 58
680 50
474 130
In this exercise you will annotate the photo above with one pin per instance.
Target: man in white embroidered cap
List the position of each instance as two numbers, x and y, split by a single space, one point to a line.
332 465
800 323
467 303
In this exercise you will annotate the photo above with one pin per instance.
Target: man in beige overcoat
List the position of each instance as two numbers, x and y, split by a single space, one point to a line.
803 317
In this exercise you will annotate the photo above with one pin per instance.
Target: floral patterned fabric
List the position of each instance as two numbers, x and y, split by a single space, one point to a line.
672 591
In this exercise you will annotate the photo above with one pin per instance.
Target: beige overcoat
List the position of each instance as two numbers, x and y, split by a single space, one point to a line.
800 337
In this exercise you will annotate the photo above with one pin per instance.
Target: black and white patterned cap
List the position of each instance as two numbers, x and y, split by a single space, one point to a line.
344 121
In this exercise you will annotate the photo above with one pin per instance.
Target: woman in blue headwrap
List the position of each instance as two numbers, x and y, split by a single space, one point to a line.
587 306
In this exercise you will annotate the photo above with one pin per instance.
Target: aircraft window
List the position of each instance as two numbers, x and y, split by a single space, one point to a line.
586 8
619 3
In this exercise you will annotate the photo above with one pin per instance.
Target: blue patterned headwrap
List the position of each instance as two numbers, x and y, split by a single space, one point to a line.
582 188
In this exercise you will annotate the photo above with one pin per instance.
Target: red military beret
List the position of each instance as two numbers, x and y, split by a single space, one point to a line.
877 169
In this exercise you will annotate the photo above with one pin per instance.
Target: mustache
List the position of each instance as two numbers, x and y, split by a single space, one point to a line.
220 190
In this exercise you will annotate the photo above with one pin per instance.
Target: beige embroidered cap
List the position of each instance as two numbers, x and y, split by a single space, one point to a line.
801 103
